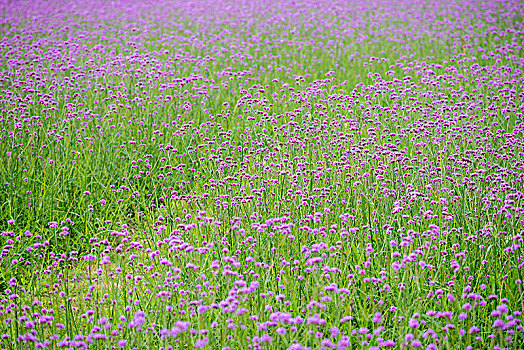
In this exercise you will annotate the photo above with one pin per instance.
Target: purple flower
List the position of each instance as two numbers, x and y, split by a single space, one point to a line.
89 257
326 343
413 323
201 343
377 318
416 344
334 332
281 331
266 338
498 323
363 330
473 329
182 325
295 346
388 343
502 308
138 319
343 343
203 308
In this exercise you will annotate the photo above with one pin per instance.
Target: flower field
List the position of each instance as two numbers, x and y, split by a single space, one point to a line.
261 174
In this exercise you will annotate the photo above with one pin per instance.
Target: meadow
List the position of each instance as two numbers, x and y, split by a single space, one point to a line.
261 174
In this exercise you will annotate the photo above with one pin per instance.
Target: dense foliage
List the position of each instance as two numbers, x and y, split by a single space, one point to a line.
270 174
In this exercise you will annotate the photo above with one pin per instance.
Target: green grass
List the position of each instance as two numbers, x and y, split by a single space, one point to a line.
97 135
